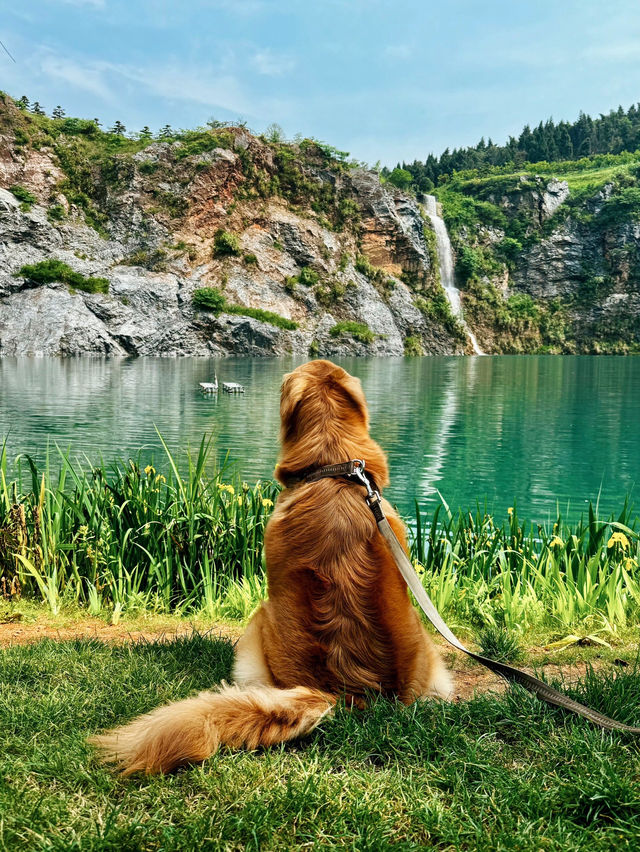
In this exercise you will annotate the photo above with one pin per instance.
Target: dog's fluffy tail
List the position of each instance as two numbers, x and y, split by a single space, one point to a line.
190 731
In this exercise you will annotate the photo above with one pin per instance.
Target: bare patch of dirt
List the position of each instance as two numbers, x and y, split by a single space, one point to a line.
470 678
93 628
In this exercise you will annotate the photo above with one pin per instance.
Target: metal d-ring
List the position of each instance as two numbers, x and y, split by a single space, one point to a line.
358 473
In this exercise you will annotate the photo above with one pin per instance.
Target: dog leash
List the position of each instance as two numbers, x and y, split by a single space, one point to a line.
354 471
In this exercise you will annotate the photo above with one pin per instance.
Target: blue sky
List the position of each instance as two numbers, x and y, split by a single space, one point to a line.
382 80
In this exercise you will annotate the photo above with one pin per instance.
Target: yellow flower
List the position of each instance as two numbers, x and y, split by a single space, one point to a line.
239 500
629 563
556 541
161 478
150 470
419 568
266 503
510 510
230 489
618 538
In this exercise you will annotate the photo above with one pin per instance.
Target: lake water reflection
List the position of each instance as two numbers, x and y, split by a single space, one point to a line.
536 430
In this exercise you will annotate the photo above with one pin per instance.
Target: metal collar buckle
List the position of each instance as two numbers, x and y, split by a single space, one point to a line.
357 467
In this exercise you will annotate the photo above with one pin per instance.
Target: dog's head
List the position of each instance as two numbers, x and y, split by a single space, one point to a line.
324 420
318 392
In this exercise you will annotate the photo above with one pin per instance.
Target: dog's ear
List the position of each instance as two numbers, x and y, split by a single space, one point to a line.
351 389
291 395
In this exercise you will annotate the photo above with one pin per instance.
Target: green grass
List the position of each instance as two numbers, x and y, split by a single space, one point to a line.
48 271
211 299
358 330
263 316
23 194
488 774
132 538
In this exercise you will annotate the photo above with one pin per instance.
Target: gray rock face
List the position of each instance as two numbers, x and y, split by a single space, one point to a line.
538 196
555 266
148 312
593 269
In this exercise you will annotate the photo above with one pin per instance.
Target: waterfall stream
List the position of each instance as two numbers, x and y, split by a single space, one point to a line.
445 262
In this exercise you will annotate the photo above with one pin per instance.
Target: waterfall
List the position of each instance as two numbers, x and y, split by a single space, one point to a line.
445 262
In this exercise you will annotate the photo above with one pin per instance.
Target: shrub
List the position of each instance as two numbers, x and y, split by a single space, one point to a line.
23 194
468 263
208 299
308 277
358 330
413 346
438 309
148 167
47 271
225 243
509 249
400 178
250 260
621 207
211 299
56 213
348 212
329 292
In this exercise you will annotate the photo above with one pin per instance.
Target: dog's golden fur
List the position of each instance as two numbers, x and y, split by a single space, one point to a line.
338 619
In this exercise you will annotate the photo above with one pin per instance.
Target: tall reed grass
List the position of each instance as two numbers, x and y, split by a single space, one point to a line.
131 537
521 575
128 537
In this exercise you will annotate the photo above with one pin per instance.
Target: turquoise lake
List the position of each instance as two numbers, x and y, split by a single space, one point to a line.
536 431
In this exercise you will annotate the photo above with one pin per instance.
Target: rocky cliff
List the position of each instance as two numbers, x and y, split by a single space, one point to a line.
543 267
303 252
216 241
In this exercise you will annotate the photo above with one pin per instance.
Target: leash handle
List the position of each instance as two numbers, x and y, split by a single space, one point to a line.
355 470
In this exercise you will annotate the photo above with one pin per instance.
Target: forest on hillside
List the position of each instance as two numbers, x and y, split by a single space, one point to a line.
613 133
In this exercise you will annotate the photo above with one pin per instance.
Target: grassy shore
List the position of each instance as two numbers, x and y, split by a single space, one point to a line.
143 552
128 539
492 773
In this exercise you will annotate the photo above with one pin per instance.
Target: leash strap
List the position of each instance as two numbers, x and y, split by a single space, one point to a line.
509 673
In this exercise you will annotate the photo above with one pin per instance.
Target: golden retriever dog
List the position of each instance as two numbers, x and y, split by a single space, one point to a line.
338 620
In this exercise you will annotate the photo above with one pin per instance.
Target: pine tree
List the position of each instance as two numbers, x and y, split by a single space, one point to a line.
23 103
58 112
145 133
118 129
36 109
165 132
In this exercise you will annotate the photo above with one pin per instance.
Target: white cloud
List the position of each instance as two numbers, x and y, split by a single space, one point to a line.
271 64
87 77
204 86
